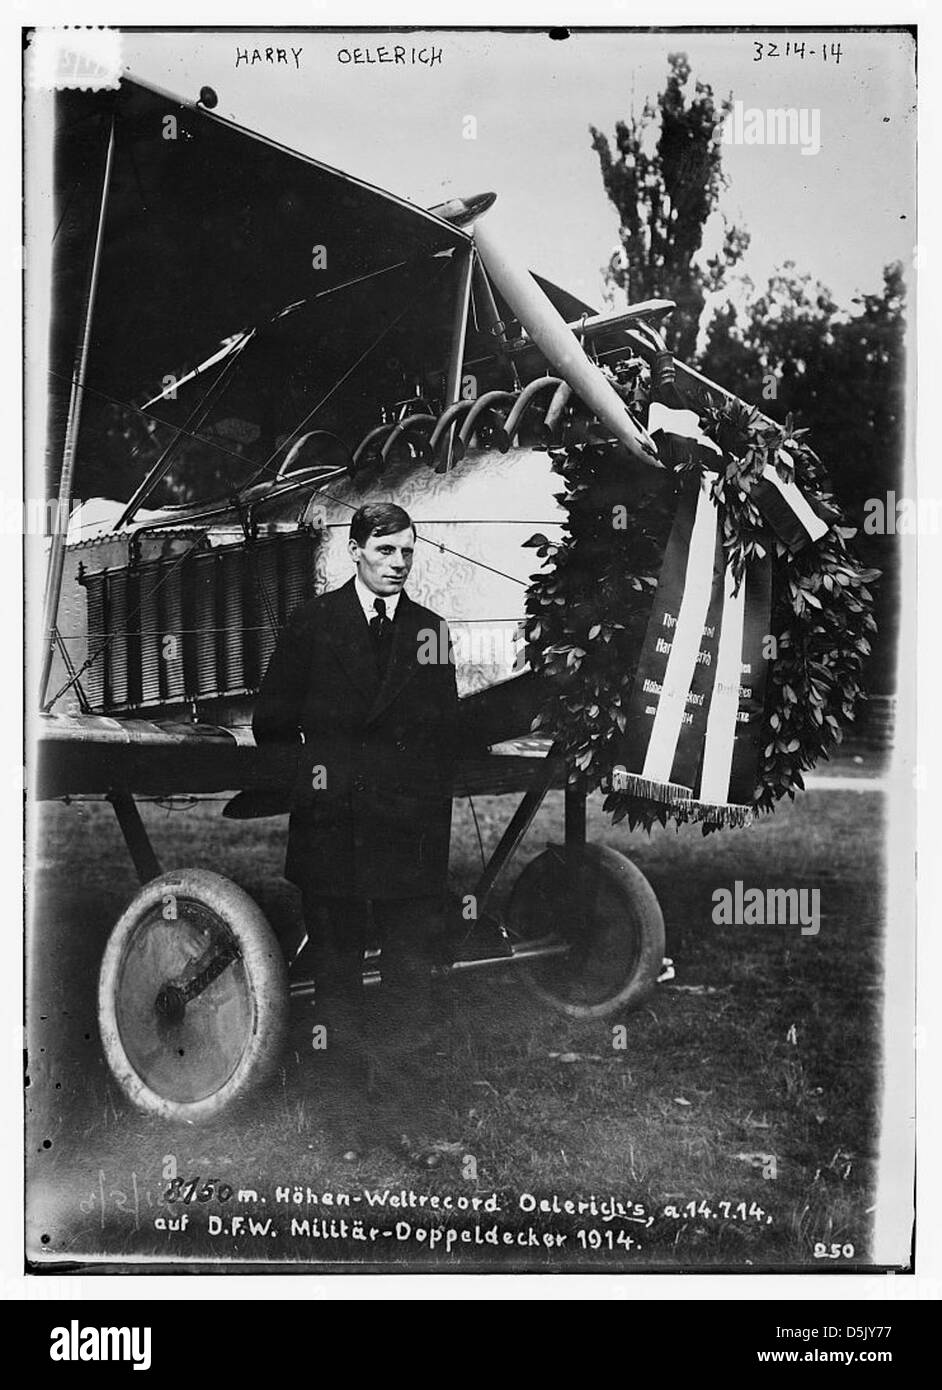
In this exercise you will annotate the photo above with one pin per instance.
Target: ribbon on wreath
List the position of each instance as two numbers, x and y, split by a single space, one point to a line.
696 704
676 431
695 711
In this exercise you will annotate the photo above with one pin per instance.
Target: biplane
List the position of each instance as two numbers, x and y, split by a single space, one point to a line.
273 343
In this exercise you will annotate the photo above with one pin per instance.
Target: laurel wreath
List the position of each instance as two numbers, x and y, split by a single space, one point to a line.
587 609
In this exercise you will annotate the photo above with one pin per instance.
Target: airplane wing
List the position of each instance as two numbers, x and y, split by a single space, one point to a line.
210 230
94 755
214 233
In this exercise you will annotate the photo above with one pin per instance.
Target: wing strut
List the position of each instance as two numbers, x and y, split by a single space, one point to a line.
459 331
495 324
194 420
61 523
135 836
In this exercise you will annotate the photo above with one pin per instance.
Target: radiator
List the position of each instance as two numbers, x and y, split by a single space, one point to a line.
167 631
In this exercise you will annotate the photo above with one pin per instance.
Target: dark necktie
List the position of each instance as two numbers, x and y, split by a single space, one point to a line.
381 631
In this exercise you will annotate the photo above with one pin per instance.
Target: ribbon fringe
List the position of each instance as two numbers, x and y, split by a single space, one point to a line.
681 801
728 815
665 793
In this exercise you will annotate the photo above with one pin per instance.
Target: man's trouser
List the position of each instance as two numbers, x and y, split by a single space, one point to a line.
373 1028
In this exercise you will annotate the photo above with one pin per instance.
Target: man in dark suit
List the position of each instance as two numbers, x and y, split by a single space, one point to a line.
366 678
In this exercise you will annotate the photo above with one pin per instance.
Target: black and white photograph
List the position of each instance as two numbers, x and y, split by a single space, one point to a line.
471 531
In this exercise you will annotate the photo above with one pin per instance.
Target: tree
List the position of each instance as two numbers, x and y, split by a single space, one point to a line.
793 352
664 199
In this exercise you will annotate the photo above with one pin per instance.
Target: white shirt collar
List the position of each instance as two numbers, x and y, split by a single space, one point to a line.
367 597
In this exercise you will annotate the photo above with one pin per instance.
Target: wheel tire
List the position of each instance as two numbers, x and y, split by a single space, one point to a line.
604 908
224 1043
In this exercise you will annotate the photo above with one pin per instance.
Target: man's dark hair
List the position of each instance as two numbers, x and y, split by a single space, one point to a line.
379 519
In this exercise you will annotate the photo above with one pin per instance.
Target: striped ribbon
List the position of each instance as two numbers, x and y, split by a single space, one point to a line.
698 696
676 431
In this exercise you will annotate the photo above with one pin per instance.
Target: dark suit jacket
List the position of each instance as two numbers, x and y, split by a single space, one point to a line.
379 827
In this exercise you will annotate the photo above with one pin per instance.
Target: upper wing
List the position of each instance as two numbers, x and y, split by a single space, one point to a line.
210 230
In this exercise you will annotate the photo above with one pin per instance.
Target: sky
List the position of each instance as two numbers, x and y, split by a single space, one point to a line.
840 213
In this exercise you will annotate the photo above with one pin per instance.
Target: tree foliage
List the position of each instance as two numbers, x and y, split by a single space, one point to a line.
843 376
664 196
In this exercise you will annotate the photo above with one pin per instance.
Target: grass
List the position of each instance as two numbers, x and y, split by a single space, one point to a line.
752 1078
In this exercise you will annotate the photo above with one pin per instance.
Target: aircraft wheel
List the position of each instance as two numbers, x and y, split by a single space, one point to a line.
192 996
598 903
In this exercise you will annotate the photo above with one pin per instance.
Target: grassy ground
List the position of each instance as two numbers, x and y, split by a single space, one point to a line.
750 1079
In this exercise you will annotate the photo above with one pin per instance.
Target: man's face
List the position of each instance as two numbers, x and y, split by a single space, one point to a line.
384 562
